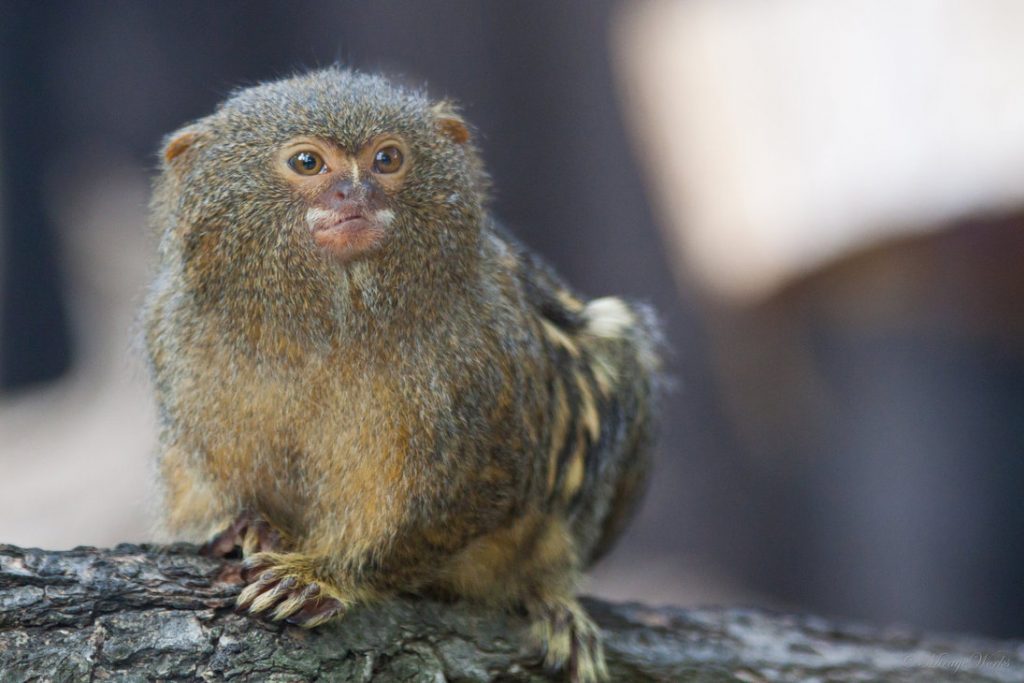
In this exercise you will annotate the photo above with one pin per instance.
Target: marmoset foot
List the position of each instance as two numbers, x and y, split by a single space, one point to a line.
570 641
284 586
250 533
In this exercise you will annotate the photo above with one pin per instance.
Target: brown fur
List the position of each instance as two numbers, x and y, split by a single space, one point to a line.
439 413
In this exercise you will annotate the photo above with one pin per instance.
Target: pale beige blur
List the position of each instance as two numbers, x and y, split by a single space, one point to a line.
778 135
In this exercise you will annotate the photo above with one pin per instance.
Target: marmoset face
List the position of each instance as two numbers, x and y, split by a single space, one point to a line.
348 193
328 168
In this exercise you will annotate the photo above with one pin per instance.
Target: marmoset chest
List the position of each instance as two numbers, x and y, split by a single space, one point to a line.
244 410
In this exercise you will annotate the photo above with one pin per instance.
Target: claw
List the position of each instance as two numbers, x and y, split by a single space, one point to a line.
316 613
248 594
287 608
254 590
273 594
296 601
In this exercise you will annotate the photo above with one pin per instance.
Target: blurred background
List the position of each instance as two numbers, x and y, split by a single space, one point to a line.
825 201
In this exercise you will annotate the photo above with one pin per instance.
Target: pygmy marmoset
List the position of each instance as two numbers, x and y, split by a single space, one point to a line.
369 386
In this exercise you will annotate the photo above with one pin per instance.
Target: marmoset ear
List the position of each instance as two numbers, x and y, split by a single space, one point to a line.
180 141
451 123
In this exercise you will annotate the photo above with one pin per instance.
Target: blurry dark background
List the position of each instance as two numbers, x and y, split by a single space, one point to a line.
849 441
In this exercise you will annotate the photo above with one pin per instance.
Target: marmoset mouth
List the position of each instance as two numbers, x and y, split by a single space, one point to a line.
351 222
344 234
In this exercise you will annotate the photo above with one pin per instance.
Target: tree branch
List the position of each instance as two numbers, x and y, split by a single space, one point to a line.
165 613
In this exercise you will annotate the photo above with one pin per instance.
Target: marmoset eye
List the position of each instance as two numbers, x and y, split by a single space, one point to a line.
306 163
387 160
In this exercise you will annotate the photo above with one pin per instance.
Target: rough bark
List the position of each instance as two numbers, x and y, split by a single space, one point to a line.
141 613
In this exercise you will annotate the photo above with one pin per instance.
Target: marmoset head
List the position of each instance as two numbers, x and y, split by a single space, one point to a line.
333 165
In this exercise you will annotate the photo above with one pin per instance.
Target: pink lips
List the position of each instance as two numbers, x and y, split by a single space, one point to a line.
354 221
345 235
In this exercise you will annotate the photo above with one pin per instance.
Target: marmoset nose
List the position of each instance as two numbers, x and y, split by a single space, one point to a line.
346 190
